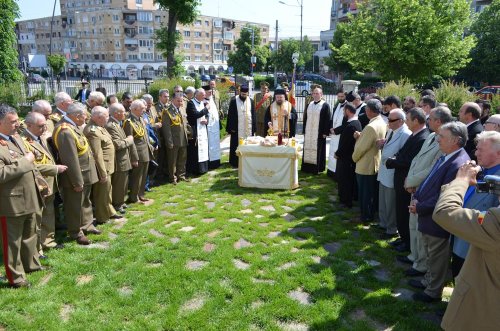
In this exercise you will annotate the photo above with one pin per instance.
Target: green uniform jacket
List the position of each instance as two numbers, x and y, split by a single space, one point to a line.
174 135
123 149
102 147
143 149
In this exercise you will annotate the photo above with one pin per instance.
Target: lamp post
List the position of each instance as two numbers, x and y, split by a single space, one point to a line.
301 5
295 60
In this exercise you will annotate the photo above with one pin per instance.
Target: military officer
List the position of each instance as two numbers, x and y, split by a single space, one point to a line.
162 104
135 126
262 101
21 201
175 135
43 107
124 148
62 101
103 149
95 99
34 141
74 152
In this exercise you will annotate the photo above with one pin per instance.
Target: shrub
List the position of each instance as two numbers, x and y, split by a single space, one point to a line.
10 93
454 95
495 104
160 84
401 89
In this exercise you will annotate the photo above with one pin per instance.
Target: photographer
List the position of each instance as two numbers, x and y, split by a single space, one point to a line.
476 297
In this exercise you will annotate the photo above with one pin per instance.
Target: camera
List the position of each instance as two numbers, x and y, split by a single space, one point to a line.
490 184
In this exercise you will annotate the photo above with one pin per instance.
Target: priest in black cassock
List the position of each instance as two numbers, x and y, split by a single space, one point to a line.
282 115
197 112
316 129
240 121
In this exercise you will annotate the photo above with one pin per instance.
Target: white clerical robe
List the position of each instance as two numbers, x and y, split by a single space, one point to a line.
202 139
244 117
311 135
213 128
338 116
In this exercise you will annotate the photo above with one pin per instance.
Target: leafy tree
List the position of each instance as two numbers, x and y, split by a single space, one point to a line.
415 39
240 59
335 61
9 61
485 64
182 11
56 63
282 59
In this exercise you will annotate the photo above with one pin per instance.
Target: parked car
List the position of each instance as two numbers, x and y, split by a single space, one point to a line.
487 92
36 78
205 78
188 78
303 87
317 78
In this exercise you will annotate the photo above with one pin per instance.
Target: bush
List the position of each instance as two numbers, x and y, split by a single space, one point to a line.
401 89
495 104
259 78
10 94
454 95
160 84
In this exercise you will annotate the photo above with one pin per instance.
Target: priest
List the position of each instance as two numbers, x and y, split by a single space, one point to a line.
240 121
213 127
316 129
337 122
197 115
281 116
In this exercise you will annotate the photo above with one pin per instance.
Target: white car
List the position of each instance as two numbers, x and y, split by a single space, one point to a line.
303 87
188 78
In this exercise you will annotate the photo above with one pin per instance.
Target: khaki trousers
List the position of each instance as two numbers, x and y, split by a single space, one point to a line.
138 181
46 224
176 163
102 198
119 184
418 254
438 260
19 246
78 211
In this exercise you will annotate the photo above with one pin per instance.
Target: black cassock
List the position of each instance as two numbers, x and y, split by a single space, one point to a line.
192 164
293 120
323 129
232 128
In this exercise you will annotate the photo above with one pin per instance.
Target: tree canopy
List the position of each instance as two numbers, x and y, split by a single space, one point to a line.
56 62
9 11
414 39
282 59
335 61
240 59
179 11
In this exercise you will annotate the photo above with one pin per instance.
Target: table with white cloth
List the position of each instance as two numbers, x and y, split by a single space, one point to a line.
268 167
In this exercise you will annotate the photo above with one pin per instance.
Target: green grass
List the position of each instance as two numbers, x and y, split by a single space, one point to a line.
140 282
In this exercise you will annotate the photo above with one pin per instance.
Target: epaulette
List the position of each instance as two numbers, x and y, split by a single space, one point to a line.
55 117
64 126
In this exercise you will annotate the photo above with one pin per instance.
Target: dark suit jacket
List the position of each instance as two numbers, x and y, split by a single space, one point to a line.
79 95
428 194
472 131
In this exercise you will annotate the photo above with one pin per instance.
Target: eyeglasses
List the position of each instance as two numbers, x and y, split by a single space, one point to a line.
394 120
489 122
42 126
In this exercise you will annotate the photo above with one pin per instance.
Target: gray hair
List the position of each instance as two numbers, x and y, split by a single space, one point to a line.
60 97
162 91
198 92
149 97
97 96
6 109
178 95
492 136
176 87
417 114
136 104
40 105
99 111
33 117
443 114
458 130
401 114
115 107
76 108
374 105
189 89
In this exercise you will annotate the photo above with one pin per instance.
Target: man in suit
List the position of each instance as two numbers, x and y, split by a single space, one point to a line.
124 148
387 194
83 93
452 139
420 167
21 201
101 89
427 103
470 114
488 157
175 135
75 153
103 149
345 164
390 103
135 126
475 300
35 142
409 102
415 120
367 157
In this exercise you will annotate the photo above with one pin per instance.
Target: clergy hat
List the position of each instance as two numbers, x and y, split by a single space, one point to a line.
264 83
206 87
285 84
350 97
280 91
244 88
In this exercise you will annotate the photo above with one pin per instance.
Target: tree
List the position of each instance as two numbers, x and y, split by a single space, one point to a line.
9 61
240 59
56 63
414 39
334 61
282 59
485 64
182 11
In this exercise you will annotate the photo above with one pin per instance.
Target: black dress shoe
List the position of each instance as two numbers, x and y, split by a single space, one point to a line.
413 273
396 242
404 259
23 283
58 246
132 201
422 297
388 236
121 211
403 248
416 284
115 217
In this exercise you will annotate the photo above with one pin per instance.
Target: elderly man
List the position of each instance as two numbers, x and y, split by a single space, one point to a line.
18 212
197 114
124 148
420 167
240 121
415 120
493 123
452 137
213 129
316 128
135 126
470 114
111 99
175 136
62 101
262 101
103 149
387 193
35 142
281 115
367 157
43 107
74 152
360 109
475 300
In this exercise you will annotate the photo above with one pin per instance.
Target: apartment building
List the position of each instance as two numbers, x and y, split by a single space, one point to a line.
116 38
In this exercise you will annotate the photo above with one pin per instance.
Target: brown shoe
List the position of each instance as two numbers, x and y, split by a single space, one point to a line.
23 283
93 231
83 240
143 199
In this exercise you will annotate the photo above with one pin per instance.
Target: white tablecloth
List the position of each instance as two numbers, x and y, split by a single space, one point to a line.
268 167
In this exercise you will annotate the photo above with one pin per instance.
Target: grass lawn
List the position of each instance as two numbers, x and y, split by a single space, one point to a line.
209 255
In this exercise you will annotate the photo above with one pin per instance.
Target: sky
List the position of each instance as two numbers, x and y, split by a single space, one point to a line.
316 13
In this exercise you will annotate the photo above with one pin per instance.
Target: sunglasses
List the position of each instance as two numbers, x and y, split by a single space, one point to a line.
394 120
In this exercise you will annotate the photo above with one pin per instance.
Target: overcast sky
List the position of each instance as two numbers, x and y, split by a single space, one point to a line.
316 13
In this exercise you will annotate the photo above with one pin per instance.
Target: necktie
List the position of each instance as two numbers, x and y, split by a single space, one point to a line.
433 171
84 95
390 137
12 140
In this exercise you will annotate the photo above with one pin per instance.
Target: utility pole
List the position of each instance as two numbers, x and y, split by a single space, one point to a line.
252 58
276 50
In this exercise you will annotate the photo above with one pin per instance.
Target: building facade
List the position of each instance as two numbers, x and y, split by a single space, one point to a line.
116 38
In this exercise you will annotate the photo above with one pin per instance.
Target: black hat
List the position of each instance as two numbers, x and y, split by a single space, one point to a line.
280 91
244 88
350 97
206 87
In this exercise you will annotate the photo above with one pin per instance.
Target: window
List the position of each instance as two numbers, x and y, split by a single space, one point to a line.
118 57
159 57
197 46
187 33
187 58
207 47
197 23
145 30
197 58
217 46
117 43
132 57
147 56
228 35
197 34
96 56
117 31
158 19
207 34
116 18
138 2
218 57
186 46
144 16
146 43
207 23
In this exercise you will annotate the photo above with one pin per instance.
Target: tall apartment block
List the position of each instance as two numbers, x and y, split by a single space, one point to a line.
116 38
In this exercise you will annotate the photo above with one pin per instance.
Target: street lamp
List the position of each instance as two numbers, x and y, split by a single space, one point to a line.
301 5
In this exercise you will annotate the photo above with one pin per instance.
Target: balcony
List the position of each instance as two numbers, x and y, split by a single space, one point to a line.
131 32
131 48
130 19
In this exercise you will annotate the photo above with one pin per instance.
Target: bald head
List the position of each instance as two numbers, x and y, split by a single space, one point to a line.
469 112
100 115
42 107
